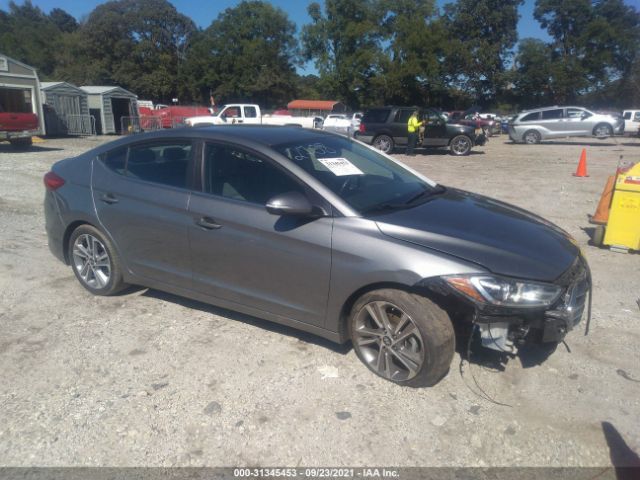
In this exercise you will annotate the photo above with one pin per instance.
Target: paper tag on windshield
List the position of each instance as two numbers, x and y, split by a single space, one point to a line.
340 166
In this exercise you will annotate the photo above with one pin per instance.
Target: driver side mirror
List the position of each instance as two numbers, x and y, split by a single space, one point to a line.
290 203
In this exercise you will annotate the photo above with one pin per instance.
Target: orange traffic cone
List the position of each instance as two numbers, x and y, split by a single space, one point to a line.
602 211
582 166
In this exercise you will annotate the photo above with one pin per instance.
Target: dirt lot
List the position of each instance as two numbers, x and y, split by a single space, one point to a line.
147 378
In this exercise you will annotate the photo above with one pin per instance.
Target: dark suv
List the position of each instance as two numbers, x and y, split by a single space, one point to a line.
386 127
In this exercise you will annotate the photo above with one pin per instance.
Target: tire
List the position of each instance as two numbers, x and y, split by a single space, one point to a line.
384 143
95 262
21 143
532 137
460 145
402 337
602 130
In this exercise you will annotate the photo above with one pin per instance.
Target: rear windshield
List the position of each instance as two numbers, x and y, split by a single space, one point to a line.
376 115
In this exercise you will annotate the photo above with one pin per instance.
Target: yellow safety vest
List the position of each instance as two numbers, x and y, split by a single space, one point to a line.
413 124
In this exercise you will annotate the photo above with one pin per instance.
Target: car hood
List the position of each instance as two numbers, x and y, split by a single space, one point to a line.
500 237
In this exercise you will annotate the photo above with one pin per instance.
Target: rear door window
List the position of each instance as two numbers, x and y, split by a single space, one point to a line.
532 117
627 115
552 114
376 115
165 163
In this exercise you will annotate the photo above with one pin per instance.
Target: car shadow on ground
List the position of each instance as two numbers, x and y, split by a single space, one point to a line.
248 319
623 458
440 152
6 148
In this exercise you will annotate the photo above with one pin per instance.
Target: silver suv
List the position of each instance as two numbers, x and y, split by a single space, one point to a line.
532 126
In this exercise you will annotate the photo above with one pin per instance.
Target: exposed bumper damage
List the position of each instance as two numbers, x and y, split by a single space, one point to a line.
505 329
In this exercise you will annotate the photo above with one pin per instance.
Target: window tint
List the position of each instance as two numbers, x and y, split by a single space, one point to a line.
402 116
552 114
432 116
233 173
376 115
637 116
577 113
627 115
115 160
250 112
164 163
532 117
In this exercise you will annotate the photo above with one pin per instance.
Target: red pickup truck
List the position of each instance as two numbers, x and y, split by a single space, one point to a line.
18 128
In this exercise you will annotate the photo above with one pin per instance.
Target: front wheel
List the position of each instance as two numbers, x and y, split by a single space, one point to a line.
402 337
95 262
384 143
460 145
603 131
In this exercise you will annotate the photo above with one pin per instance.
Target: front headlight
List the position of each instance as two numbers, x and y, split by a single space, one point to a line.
505 291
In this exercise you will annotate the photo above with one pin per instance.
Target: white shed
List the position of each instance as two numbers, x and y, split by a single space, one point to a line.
109 105
20 89
66 109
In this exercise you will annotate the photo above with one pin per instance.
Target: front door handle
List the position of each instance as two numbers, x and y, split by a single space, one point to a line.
109 198
208 223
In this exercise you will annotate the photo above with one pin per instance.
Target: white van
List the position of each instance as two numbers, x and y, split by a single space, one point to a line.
631 121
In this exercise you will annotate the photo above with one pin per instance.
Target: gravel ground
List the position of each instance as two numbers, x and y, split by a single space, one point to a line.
147 378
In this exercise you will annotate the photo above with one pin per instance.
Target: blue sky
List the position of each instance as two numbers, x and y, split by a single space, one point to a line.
203 12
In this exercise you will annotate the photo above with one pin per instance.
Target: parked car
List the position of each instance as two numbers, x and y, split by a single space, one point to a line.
488 126
631 121
386 128
338 123
319 232
533 126
251 114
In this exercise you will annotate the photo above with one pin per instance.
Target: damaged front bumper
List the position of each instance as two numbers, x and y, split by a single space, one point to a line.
506 328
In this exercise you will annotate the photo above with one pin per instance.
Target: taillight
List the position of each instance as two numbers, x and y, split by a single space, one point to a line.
53 181
361 128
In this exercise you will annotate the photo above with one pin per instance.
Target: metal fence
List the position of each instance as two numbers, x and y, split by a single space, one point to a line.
131 125
80 124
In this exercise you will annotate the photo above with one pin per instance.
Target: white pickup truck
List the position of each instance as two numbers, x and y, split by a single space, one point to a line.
250 114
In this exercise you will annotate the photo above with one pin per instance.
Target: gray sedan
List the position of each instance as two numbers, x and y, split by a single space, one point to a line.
319 232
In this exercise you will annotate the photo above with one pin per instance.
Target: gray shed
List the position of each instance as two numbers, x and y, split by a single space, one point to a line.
109 105
20 89
66 109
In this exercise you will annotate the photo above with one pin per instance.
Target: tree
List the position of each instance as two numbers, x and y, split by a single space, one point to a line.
30 36
533 75
65 22
248 53
482 34
410 71
593 44
344 42
137 44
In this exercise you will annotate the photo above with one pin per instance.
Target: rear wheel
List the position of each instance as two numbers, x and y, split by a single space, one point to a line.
402 337
532 137
383 143
95 262
460 145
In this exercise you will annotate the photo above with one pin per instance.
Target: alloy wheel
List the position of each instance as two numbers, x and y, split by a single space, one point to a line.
461 145
389 341
91 261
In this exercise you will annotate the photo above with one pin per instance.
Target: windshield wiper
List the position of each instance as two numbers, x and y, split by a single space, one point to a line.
385 207
437 190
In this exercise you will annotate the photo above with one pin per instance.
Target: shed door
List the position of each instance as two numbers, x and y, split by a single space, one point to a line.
68 105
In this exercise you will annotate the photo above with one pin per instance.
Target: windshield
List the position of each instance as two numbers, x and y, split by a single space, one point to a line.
363 178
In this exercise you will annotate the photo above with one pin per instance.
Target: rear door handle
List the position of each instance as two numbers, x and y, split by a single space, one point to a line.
109 198
208 223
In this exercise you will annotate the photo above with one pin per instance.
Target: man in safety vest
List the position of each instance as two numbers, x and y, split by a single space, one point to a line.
413 128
